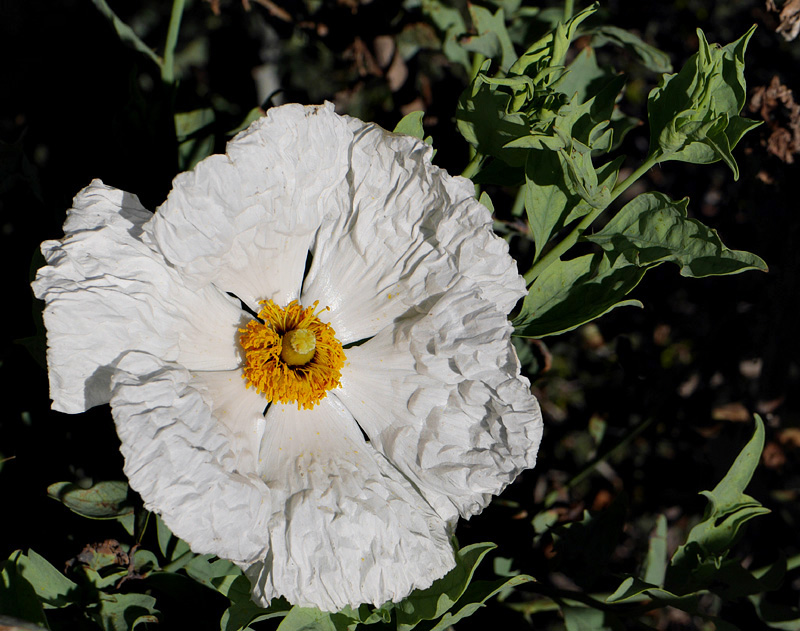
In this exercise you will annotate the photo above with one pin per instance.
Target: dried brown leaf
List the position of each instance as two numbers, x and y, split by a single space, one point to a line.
775 104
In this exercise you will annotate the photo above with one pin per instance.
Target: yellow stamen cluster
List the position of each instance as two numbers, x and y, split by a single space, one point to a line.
292 356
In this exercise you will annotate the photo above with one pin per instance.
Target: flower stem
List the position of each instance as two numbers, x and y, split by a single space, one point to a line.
168 67
572 238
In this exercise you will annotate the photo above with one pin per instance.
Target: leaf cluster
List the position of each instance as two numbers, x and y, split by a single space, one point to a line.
555 125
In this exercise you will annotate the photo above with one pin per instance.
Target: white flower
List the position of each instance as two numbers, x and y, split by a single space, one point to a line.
342 493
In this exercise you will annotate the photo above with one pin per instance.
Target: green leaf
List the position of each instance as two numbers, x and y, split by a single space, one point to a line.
776 615
194 131
243 611
487 120
305 619
411 124
123 612
252 116
492 40
694 114
547 197
570 293
551 49
652 229
698 562
104 500
171 546
550 201
650 56
633 589
585 77
451 23
433 602
655 564
52 587
17 596
582 618
475 597
208 570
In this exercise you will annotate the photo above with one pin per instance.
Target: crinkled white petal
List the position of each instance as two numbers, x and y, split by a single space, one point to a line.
409 232
403 254
442 397
107 292
245 220
346 528
239 409
182 461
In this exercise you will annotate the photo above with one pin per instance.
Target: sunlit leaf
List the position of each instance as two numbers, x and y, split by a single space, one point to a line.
302 619
448 20
652 229
694 115
17 596
492 40
570 293
475 597
411 124
208 569
552 48
52 587
433 602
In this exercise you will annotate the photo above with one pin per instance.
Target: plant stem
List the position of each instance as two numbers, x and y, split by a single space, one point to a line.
473 166
168 68
569 7
572 238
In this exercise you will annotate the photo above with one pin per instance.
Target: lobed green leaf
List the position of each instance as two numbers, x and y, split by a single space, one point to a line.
492 40
652 229
570 293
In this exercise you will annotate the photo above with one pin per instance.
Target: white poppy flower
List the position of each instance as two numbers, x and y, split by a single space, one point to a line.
396 408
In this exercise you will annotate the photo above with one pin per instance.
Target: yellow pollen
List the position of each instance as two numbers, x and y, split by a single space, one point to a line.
292 356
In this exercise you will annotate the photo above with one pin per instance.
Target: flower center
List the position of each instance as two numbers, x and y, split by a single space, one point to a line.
292 356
